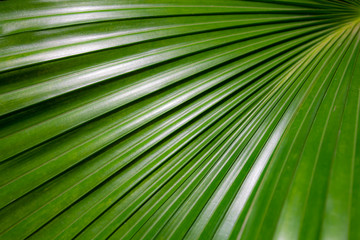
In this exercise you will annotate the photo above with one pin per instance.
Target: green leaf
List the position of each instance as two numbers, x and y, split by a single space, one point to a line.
180 119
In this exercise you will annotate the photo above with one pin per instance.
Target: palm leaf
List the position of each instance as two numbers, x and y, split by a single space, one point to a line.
180 119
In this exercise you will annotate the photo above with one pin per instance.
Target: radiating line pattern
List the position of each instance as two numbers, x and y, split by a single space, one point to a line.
180 119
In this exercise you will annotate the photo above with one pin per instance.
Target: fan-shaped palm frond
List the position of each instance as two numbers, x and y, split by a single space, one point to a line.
178 119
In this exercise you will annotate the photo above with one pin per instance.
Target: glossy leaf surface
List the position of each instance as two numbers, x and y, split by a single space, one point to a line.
180 119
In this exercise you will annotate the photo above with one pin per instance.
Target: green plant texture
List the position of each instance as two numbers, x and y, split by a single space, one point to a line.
180 119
